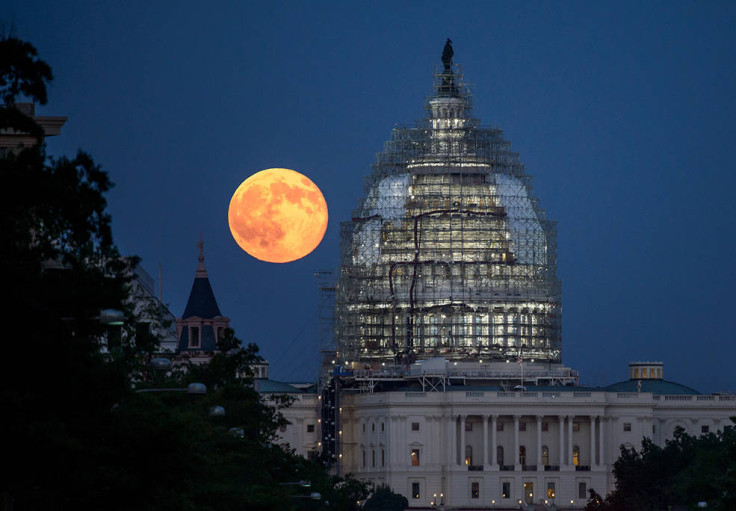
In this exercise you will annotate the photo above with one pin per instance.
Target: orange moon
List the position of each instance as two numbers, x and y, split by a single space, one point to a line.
278 215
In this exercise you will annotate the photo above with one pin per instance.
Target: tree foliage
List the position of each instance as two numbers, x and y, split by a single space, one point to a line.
83 428
384 499
687 470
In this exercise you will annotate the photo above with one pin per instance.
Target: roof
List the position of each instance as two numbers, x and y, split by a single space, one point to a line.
265 386
201 303
657 387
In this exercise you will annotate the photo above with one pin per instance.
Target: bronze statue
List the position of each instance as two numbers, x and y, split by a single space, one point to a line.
447 54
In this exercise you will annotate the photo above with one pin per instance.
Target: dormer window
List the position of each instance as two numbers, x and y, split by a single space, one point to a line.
194 338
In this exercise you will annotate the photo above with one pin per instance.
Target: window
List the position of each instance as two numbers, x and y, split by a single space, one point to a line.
363 459
415 426
550 490
194 341
499 426
529 492
704 429
545 426
415 490
522 426
373 458
576 427
415 457
468 455
383 426
468 426
474 490
373 426
522 455
506 490
499 454
575 455
545 455
582 490
310 428
383 458
627 426
363 427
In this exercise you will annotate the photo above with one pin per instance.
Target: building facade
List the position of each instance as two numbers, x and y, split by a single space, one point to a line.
448 383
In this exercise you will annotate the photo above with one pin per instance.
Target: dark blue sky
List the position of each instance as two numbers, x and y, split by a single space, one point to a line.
624 113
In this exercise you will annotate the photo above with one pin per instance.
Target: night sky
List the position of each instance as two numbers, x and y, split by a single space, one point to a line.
623 112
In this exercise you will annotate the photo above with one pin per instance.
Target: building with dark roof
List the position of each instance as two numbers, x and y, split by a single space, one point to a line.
202 323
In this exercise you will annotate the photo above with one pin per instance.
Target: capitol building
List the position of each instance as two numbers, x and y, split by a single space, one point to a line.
446 380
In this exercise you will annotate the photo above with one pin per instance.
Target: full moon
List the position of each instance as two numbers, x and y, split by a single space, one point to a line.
278 215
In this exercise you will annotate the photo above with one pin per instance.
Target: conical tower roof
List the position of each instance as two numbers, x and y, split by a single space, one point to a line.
202 302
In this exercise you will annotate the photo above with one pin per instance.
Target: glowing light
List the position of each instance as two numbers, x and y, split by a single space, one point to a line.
278 215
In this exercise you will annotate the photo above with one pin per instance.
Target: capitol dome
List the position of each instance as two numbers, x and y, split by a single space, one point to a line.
448 253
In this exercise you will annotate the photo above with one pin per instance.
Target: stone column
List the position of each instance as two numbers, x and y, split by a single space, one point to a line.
451 439
516 442
569 439
561 455
484 418
601 425
539 442
494 444
462 440
592 441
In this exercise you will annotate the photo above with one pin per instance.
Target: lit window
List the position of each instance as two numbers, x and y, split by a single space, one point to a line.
550 490
474 490
415 426
545 455
415 490
415 457
575 455
627 426
468 455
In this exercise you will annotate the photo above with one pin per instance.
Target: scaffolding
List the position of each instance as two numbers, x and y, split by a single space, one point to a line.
448 253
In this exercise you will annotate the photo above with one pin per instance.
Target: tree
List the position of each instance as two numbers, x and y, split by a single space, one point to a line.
687 470
384 499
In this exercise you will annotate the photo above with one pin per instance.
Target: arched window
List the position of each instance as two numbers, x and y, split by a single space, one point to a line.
545 455
522 455
575 455
499 454
468 455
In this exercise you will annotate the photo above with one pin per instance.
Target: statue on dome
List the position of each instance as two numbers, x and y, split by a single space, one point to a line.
447 54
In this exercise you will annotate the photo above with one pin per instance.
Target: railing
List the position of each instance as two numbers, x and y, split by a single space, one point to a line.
529 468
551 394
528 394
582 468
581 394
507 468
474 393
705 398
415 395
476 468
627 395
551 468
678 398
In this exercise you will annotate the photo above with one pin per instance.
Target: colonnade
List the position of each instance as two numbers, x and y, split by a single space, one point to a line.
564 455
